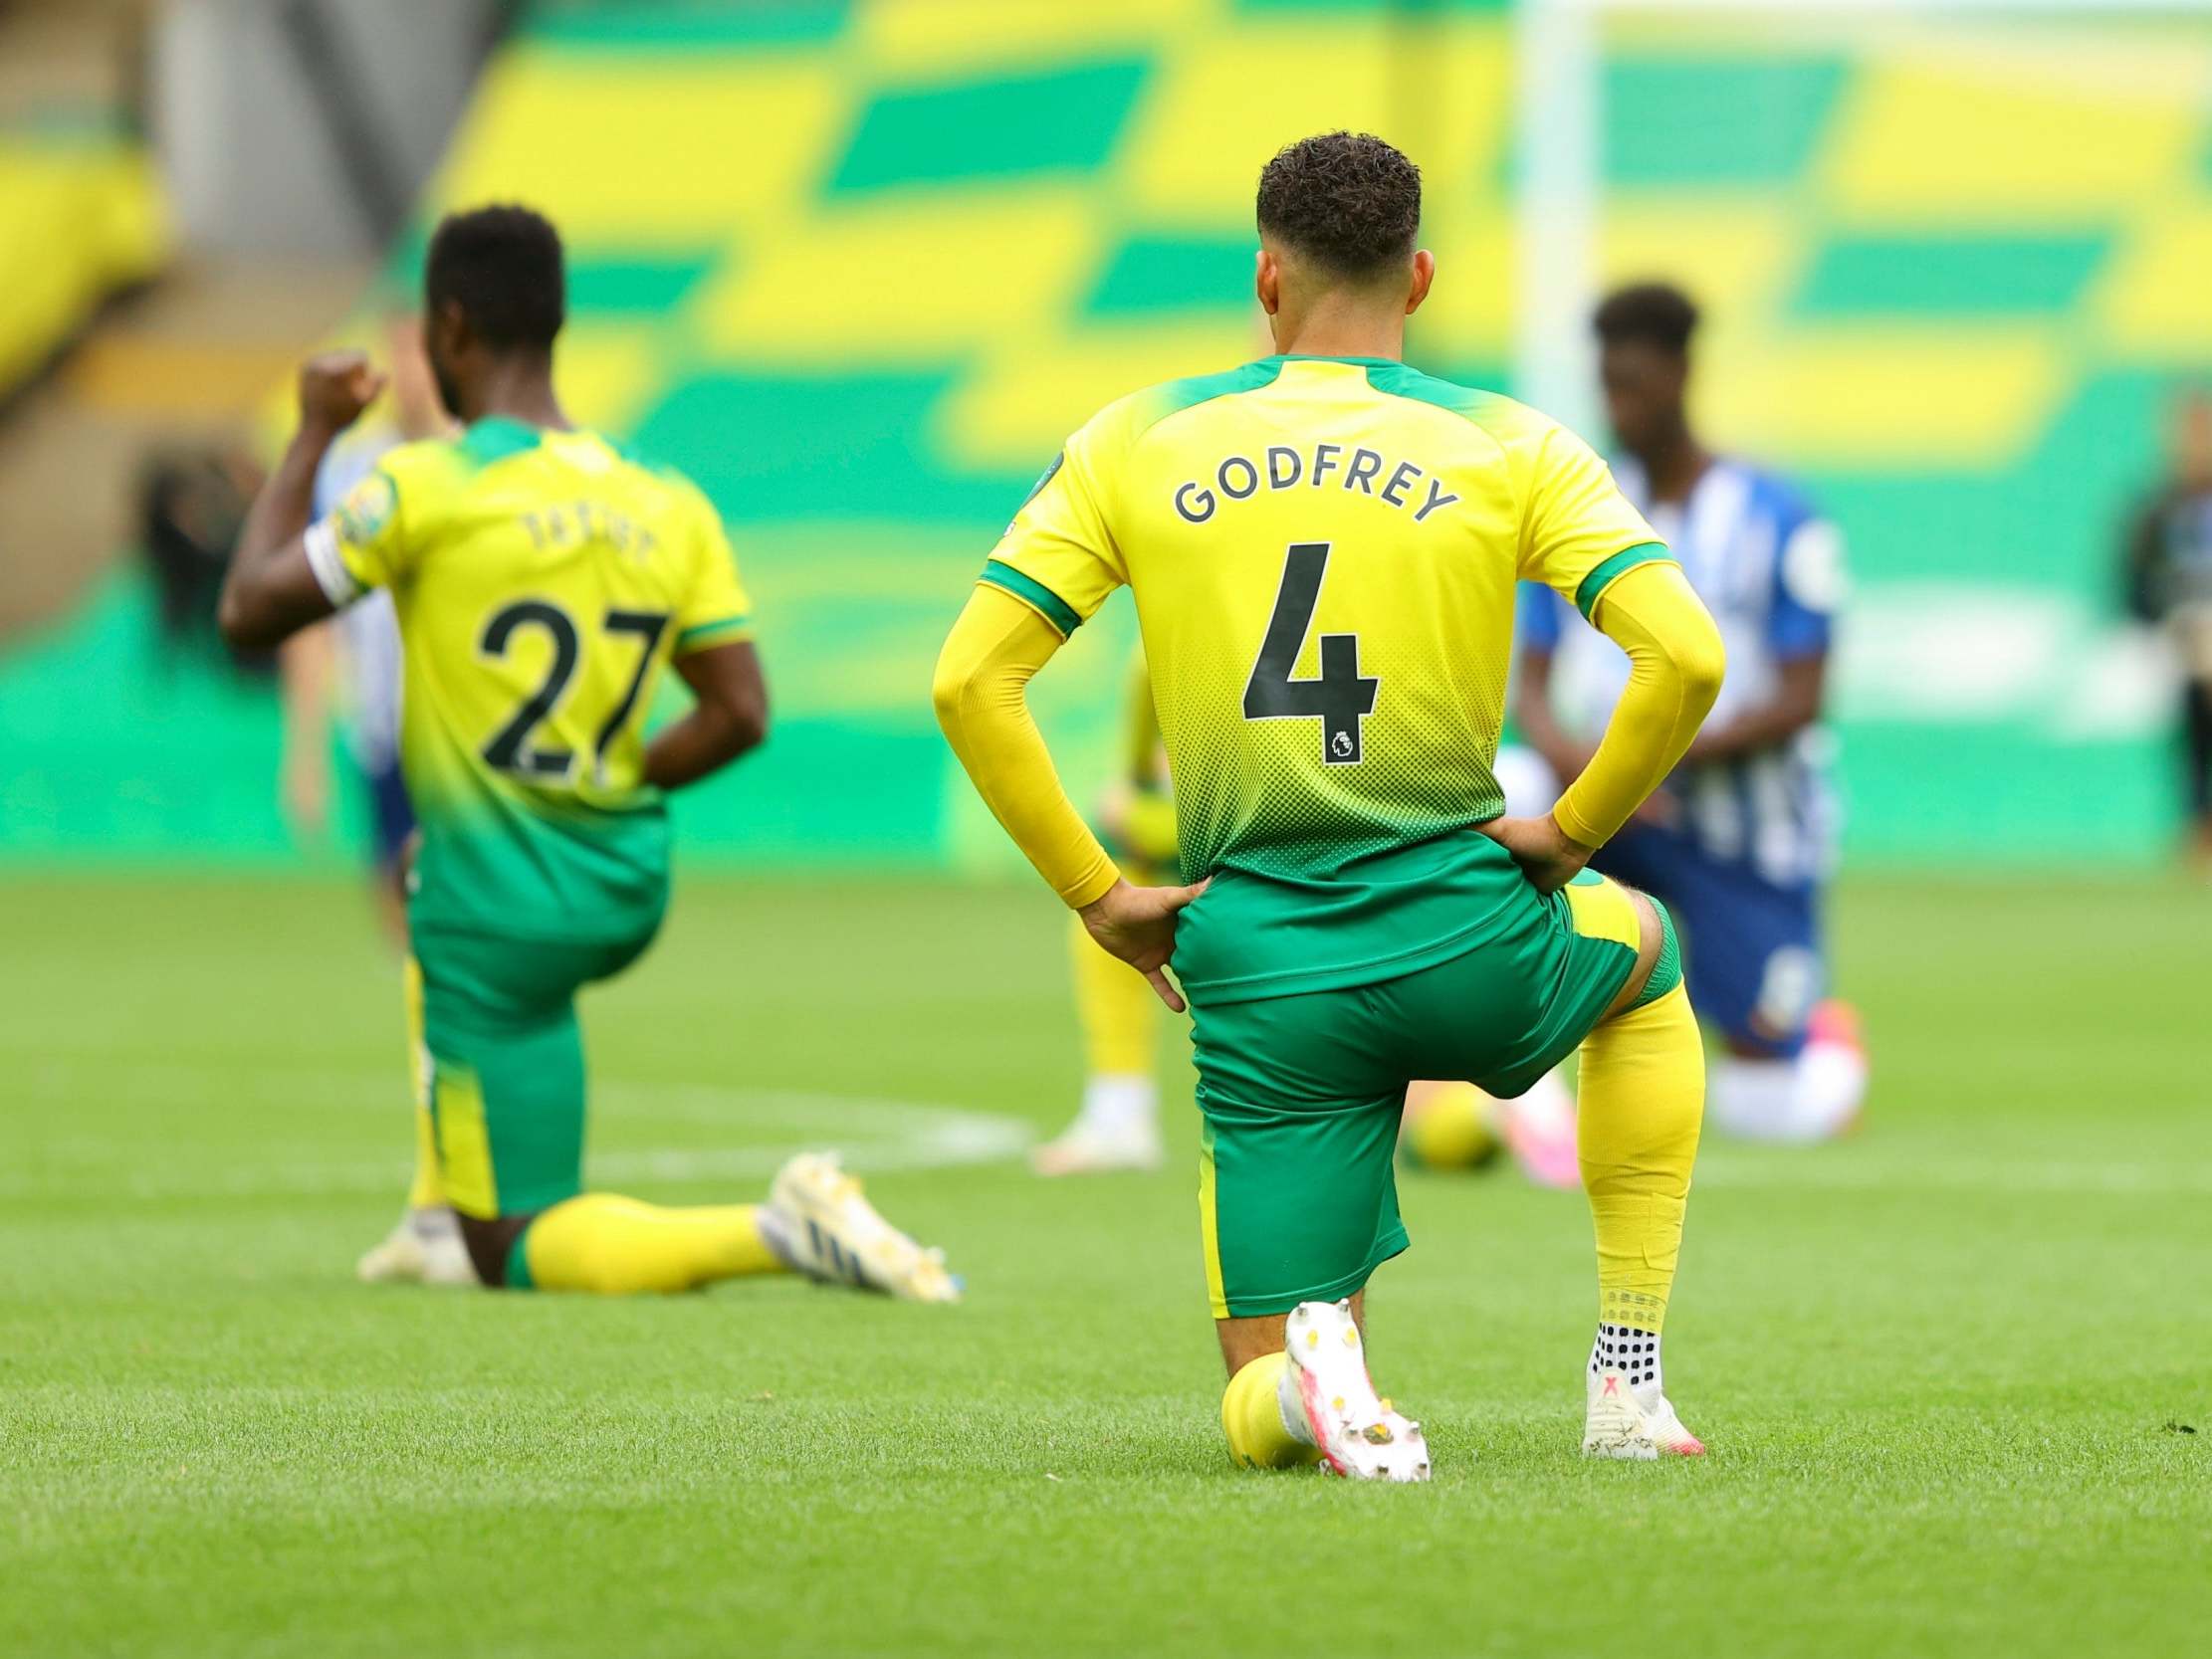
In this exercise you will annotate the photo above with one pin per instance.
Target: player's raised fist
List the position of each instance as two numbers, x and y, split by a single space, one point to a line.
335 386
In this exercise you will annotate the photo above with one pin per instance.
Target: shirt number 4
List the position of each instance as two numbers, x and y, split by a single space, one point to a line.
1340 698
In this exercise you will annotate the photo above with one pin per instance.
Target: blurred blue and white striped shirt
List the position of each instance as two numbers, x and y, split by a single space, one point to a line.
1771 571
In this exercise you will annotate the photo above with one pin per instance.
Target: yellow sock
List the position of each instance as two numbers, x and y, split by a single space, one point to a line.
617 1246
427 1191
1643 1097
1116 1008
1251 1416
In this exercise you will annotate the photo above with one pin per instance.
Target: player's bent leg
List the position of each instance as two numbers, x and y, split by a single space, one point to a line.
1641 1105
1594 966
1297 1206
816 1222
511 1144
506 1090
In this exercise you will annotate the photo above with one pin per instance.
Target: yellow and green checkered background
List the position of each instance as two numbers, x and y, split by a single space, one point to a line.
859 268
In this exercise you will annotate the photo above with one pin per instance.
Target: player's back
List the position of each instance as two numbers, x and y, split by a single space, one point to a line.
543 581
1323 554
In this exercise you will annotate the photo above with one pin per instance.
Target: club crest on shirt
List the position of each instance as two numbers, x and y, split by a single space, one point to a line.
1044 478
368 508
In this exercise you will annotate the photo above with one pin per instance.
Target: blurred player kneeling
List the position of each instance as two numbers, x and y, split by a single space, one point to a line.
544 580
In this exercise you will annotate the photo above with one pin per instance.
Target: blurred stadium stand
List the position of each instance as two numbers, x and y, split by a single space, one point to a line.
76 191
80 221
859 268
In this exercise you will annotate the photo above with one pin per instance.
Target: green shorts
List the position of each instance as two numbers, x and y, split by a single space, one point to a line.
504 1066
1302 1094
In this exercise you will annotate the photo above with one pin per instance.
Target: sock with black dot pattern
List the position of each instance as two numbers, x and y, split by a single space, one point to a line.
1632 1352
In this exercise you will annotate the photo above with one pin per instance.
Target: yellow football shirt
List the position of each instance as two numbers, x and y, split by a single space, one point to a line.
544 580
1323 554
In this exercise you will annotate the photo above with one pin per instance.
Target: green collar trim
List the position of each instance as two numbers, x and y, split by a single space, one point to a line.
496 437
1323 357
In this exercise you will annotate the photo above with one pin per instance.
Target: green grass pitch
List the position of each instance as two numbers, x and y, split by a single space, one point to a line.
1948 1368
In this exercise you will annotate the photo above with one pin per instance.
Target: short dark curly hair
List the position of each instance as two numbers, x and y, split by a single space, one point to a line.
502 266
1654 314
1347 200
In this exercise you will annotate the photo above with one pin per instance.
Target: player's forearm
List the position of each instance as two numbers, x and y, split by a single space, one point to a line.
1674 668
980 688
729 715
245 612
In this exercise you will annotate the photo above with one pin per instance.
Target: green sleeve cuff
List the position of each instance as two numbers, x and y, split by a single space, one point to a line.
1034 594
720 631
1620 565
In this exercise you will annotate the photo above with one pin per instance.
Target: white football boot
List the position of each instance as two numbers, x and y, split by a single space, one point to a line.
829 1231
1326 1387
1618 1423
425 1248
1666 1429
